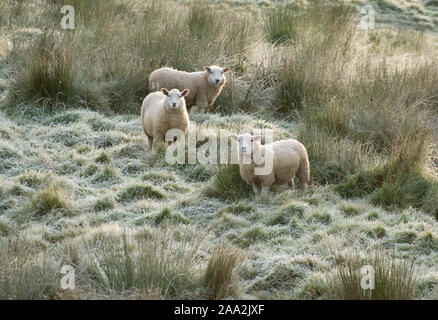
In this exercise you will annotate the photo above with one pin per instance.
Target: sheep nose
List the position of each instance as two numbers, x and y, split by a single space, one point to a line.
174 104
217 80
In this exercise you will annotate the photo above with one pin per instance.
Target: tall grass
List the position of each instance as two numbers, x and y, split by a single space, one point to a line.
362 122
395 122
109 70
160 264
148 264
394 280
219 278
24 275
313 68
47 73
279 23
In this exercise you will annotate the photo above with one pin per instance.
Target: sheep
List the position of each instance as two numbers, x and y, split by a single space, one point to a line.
289 159
205 86
164 110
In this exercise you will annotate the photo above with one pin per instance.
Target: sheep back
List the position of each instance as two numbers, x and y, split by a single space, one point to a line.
201 93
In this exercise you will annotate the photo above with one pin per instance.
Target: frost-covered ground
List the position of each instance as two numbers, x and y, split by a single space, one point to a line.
80 187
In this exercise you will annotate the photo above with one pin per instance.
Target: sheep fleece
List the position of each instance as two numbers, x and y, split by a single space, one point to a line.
202 94
157 119
289 160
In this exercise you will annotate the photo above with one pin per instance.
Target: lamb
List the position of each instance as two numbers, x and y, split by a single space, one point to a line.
289 159
164 110
205 86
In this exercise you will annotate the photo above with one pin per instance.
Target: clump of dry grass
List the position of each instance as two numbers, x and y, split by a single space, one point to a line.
219 277
162 263
49 199
25 275
228 184
394 279
311 70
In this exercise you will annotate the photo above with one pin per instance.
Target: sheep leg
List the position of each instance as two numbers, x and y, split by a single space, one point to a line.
154 86
291 184
303 173
158 136
265 190
151 141
303 183
256 189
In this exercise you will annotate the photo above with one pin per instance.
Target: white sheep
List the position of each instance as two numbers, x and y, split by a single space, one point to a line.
289 159
164 110
205 86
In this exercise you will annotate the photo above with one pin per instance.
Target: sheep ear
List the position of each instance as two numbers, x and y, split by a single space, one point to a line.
208 69
185 92
165 91
227 69
233 137
257 138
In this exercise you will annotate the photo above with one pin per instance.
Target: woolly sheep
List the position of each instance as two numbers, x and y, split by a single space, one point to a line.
205 86
289 159
164 110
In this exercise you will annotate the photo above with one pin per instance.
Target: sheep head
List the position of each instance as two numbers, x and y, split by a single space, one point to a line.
216 75
247 143
174 98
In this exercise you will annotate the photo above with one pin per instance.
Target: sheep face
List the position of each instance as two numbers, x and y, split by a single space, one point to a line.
175 98
245 142
216 75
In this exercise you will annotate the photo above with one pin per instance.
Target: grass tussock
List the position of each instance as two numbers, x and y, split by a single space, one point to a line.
219 278
166 215
108 174
161 264
105 203
228 184
140 191
394 280
279 23
26 276
310 71
48 72
48 200
45 74
285 213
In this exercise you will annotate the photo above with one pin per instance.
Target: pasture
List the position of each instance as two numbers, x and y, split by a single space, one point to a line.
80 187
